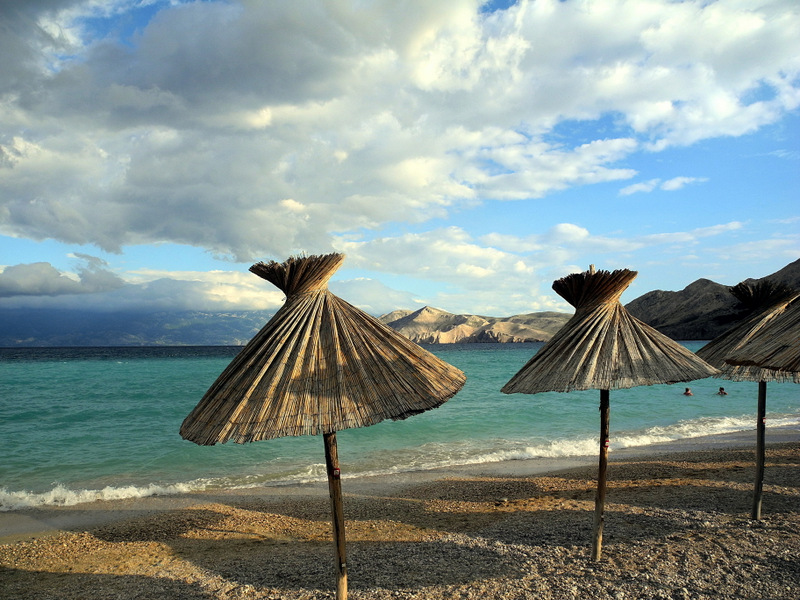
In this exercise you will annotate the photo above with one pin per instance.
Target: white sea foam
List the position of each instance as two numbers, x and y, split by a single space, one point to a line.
701 427
429 456
63 496
555 449
577 447
435 455
309 474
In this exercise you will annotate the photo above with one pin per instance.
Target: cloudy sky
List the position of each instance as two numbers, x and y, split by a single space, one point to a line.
462 154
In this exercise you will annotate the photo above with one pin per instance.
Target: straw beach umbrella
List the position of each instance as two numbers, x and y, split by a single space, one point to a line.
766 301
318 366
603 347
776 346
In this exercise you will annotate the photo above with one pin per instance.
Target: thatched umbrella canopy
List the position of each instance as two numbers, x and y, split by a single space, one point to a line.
766 302
775 346
603 347
318 366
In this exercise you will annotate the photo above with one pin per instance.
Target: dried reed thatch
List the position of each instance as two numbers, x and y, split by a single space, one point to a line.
603 347
775 346
766 301
319 365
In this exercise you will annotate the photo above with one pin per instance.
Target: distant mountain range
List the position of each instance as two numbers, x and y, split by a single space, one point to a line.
433 326
701 311
47 327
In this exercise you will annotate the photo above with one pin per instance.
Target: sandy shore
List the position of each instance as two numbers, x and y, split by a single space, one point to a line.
677 526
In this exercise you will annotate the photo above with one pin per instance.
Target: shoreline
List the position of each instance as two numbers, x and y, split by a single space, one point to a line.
34 522
677 526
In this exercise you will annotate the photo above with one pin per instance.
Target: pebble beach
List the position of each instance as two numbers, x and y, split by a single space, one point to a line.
677 525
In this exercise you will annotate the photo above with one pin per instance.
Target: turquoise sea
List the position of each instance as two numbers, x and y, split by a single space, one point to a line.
80 424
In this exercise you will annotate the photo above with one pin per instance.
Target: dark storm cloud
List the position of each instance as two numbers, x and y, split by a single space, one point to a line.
23 42
42 279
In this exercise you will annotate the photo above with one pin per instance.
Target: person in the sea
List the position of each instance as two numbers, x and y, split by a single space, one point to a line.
688 392
722 392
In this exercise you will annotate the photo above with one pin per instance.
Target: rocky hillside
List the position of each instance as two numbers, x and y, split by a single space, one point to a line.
433 326
702 310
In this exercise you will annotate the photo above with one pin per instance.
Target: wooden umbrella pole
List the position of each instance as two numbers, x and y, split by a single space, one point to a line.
337 513
600 498
761 426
